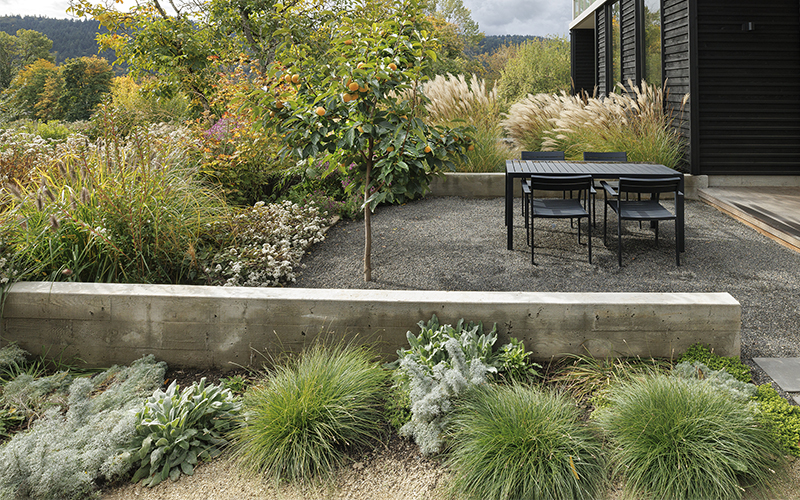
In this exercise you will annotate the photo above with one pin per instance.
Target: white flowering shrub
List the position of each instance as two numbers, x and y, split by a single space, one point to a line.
269 244
70 448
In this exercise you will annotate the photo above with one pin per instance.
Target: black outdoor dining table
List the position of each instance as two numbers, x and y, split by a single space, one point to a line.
598 170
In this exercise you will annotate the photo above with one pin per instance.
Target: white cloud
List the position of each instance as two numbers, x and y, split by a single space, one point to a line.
494 17
521 17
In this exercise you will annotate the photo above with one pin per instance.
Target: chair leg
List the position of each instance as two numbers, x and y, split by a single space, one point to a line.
589 223
533 246
619 239
677 247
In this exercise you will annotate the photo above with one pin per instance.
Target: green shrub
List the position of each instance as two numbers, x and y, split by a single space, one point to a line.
83 439
703 354
511 442
781 419
176 430
678 438
538 67
301 420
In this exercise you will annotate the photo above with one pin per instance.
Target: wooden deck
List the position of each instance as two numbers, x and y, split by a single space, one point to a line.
772 211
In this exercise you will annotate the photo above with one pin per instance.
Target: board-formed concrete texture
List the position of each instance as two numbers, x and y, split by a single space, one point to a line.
221 327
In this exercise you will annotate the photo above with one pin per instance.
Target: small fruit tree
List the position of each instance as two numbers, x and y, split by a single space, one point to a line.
360 109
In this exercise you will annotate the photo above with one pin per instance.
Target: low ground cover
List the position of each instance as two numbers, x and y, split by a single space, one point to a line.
531 434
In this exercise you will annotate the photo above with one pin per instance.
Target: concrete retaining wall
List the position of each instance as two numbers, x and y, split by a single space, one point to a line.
214 327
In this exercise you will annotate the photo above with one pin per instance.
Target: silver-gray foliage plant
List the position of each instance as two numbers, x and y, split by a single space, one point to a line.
66 452
177 429
719 379
433 391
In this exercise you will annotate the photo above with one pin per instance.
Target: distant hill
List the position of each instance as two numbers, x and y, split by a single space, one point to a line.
71 37
491 43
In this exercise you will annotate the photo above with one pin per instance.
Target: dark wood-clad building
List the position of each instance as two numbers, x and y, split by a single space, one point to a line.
738 59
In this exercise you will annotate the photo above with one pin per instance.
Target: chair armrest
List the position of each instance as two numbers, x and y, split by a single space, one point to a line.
609 189
680 193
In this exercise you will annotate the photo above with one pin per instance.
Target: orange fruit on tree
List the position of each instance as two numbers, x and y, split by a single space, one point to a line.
295 78
427 149
346 97
348 42
287 78
363 89
360 65
390 149
279 104
353 86
353 97
470 148
320 111
392 66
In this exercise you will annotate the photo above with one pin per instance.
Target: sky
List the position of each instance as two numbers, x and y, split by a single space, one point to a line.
494 17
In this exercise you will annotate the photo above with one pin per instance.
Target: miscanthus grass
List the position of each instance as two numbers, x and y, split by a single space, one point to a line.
456 101
300 421
635 120
512 442
680 438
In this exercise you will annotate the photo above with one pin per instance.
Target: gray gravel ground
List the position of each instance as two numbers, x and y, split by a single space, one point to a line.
460 244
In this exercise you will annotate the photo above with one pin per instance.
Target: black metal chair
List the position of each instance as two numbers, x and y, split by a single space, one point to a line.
526 185
604 156
641 210
560 208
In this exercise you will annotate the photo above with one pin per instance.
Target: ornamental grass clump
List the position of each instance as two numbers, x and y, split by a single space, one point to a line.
685 439
635 120
512 442
110 210
454 101
299 422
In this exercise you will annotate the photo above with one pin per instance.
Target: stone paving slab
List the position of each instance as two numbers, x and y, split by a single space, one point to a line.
784 371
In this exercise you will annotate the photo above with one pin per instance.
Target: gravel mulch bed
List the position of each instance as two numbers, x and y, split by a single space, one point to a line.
460 244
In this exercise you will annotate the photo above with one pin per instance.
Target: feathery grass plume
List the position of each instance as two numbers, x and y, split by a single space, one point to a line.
141 208
455 101
680 438
300 421
528 119
633 121
514 442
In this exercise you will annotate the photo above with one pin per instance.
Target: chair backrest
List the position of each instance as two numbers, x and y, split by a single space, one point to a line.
561 182
542 155
649 185
605 156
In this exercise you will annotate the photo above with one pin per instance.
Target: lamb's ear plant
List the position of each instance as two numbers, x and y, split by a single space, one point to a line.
176 429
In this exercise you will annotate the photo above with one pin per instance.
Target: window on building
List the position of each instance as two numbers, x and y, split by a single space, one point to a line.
579 6
616 46
652 42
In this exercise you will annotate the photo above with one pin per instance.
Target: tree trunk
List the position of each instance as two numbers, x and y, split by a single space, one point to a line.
367 228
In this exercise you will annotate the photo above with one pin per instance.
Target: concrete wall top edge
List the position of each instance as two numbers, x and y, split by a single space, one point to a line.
463 297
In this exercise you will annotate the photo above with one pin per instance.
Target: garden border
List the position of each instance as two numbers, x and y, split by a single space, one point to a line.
204 327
